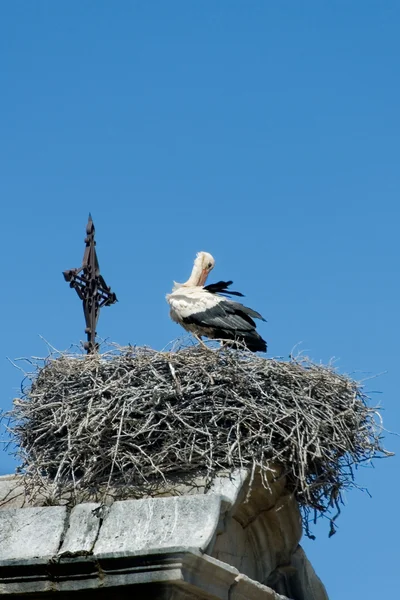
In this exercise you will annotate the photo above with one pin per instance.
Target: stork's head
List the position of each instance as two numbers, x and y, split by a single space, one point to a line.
203 264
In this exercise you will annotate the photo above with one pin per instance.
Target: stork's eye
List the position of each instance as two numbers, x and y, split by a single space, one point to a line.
209 265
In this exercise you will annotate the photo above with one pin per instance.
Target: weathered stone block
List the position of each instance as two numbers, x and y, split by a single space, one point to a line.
27 533
180 523
83 528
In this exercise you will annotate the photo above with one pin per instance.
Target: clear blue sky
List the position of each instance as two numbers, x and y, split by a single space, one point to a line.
264 132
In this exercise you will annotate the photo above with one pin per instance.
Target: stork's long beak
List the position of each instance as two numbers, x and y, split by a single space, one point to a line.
203 276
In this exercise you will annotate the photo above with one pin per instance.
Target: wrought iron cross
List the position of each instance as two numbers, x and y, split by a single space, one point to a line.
90 287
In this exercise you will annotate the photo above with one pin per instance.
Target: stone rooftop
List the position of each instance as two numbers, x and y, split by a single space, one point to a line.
226 542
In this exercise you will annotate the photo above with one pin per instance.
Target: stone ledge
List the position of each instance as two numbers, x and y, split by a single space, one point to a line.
185 575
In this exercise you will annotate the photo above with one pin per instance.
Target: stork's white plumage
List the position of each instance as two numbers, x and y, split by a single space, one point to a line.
203 311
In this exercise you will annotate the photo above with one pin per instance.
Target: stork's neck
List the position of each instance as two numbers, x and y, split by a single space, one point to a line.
195 275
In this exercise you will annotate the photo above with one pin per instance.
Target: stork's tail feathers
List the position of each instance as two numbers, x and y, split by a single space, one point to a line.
254 342
257 345
251 340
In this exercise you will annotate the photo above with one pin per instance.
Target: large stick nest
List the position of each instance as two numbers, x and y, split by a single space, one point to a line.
126 419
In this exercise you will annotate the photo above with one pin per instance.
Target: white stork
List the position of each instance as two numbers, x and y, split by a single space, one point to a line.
206 311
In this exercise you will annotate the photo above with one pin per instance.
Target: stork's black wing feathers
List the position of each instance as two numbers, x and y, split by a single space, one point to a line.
225 314
221 287
231 321
245 310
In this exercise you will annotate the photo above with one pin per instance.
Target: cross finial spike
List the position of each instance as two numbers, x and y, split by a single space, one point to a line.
90 225
90 287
